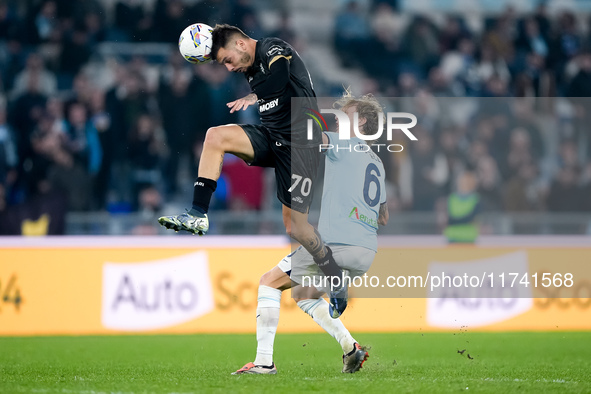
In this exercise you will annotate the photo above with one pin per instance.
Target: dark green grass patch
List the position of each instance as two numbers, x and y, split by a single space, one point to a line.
410 362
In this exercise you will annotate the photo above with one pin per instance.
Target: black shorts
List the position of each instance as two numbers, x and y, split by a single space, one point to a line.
296 168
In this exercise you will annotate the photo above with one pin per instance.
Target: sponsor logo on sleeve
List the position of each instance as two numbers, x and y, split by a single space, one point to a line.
274 51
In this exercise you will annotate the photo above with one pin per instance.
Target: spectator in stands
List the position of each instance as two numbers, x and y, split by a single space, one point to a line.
501 36
489 184
586 188
134 100
439 85
420 46
244 15
178 104
453 31
429 172
67 174
567 44
530 81
43 142
101 120
131 21
175 64
460 66
286 32
8 22
448 143
55 110
95 28
579 91
171 17
81 139
525 117
148 72
8 160
521 193
518 154
147 150
489 64
531 39
81 91
26 111
580 85
384 44
35 68
565 193
477 149
45 23
491 136
542 19
352 34
76 51
150 203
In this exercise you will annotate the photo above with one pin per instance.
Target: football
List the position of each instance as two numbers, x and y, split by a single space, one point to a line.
195 43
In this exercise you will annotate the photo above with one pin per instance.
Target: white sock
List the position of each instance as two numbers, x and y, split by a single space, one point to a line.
318 310
268 303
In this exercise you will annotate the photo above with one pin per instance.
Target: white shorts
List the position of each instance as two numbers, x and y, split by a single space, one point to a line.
353 260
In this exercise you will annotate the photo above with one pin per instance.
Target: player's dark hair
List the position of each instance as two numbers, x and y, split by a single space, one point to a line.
222 35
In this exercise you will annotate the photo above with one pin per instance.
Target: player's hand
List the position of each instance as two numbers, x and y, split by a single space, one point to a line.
243 103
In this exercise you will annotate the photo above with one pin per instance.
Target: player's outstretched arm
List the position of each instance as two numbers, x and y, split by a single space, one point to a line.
384 215
242 103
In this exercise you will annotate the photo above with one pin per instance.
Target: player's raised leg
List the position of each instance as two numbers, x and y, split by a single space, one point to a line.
218 141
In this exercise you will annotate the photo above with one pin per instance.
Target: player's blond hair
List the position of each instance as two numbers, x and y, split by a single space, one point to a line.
367 106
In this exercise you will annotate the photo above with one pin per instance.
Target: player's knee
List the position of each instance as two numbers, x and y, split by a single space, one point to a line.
215 137
265 280
270 279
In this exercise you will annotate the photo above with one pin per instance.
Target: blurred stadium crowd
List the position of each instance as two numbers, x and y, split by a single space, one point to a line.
113 130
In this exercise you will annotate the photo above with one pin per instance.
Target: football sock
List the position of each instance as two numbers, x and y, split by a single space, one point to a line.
328 265
318 310
202 192
268 302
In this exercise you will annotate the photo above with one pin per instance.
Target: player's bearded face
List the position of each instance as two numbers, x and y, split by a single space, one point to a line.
240 60
244 62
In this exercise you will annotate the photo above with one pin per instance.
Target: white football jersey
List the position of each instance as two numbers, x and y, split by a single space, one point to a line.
354 188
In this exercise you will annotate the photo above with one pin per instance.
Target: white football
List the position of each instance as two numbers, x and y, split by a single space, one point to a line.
195 43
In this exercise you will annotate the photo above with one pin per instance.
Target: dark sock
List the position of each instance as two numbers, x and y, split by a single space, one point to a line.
202 192
328 265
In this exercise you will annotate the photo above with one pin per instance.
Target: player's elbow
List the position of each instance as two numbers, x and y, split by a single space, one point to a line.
294 231
383 218
289 230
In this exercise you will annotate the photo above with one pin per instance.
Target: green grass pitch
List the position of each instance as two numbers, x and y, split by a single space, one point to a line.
410 362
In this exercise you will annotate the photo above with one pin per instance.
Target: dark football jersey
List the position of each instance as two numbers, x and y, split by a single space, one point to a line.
287 123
